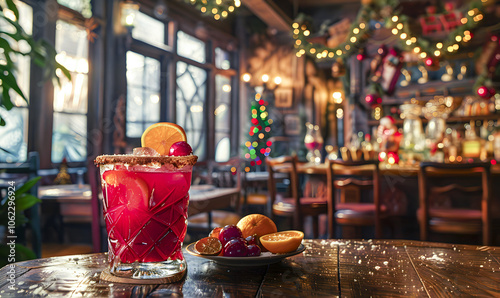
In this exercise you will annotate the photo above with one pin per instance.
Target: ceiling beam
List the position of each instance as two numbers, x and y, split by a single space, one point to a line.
269 13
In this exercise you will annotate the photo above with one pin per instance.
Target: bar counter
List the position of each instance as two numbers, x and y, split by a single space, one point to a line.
347 268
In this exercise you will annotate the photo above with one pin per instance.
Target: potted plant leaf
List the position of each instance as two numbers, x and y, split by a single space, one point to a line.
12 209
41 52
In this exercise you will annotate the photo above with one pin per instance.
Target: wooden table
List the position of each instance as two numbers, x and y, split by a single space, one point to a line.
346 268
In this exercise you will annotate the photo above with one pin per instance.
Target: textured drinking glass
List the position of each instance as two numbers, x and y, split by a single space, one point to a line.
145 201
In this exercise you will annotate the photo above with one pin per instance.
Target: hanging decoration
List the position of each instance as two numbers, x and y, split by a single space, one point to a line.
376 15
488 66
219 9
258 145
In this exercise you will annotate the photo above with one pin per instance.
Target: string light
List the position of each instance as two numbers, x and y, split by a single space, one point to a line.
219 9
398 27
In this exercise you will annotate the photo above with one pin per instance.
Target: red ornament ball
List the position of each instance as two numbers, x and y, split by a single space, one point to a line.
429 61
373 99
484 92
370 98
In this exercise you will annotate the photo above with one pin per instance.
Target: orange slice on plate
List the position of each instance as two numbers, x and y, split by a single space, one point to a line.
161 136
208 246
282 242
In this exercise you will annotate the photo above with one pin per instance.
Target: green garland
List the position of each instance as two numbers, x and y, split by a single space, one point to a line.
381 12
219 9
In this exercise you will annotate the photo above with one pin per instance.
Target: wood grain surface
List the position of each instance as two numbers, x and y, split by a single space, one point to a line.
346 268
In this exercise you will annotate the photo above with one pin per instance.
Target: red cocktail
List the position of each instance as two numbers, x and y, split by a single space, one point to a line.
145 201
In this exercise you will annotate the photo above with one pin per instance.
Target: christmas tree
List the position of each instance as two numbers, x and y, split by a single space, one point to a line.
258 145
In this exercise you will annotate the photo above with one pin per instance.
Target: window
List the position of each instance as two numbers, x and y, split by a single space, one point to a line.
222 59
222 118
191 47
82 6
14 135
143 93
69 136
150 65
149 30
190 104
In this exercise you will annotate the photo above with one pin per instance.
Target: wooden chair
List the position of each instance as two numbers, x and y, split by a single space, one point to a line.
21 173
363 175
220 174
255 196
437 180
308 206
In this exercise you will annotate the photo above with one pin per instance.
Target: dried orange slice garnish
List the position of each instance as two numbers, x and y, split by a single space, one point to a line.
208 246
161 136
282 242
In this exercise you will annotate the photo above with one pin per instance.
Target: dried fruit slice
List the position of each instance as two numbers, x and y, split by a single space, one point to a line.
208 246
161 136
282 242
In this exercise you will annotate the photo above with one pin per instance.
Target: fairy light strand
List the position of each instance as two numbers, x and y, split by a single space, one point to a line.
398 25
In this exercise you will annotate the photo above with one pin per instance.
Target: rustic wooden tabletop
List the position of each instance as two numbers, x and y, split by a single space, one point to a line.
349 268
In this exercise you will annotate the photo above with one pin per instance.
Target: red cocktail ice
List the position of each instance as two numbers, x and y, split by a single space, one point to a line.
145 201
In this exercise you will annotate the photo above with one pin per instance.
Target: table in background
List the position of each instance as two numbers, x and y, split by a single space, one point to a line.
68 203
326 268
74 198
206 198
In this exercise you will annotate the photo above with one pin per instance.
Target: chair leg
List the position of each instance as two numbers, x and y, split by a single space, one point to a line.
378 230
486 235
423 231
315 226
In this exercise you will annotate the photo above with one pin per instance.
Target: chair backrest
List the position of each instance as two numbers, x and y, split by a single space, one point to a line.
441 179
290 164
361 174
22 172
225 174
446 175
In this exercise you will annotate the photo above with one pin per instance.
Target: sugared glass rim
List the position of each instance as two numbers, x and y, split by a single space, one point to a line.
144 160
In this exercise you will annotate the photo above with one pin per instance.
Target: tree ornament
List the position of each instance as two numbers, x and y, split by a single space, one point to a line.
373 99
485 92
361 55
431 63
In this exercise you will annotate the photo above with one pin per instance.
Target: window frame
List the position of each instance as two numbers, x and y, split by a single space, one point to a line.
76 19
168 55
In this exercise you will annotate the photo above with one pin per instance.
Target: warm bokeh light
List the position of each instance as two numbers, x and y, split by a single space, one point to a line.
246 77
